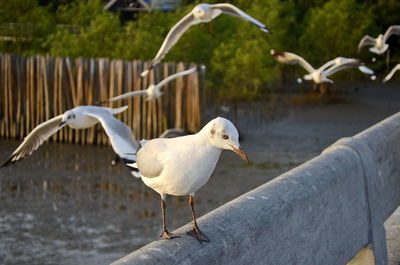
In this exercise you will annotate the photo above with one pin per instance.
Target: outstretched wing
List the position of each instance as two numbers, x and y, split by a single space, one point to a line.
291 58
122 140
366 41
234 11
34 139
176 75
390 75
172 37
392 30
344 63
126 95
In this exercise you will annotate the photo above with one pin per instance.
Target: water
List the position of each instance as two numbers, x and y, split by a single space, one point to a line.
66 204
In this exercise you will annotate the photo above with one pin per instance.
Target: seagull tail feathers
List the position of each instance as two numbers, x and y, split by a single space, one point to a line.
131 164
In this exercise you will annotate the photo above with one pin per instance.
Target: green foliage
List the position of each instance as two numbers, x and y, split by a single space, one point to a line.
241 64
235 51
99 31
334 30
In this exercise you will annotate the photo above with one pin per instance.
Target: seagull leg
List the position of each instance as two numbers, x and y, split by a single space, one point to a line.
195 232
165 234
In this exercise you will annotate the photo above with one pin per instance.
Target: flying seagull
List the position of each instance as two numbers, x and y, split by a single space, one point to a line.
199 14
321 74
390 75
379 43
121 137
180 166
153 91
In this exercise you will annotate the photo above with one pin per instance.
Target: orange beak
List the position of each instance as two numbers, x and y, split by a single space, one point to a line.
241 153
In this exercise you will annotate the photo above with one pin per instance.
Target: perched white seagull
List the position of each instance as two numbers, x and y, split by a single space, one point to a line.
121 137
199 14
153 91
379 43
182 165
390 75
321 74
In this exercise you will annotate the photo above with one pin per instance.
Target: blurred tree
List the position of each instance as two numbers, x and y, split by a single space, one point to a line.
24 25
241 65
334 30
99 31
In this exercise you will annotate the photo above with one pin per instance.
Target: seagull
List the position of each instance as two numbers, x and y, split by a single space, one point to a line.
379 43
180 166
200 13
321 74
390 75
153 91
121 137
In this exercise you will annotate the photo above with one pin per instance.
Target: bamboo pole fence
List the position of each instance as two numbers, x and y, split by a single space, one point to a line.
35 89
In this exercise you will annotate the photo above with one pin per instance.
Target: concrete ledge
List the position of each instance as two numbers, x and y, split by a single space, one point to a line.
322 212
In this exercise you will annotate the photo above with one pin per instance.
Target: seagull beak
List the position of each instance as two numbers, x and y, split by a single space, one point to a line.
62 124
241 153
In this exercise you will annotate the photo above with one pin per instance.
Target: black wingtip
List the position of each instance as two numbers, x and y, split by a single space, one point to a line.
8 162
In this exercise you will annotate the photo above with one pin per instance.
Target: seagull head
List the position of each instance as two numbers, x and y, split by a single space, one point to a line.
224 135
67 117
153 92
201 11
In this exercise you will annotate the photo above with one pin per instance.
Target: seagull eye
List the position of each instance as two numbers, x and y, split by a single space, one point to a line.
73 116
225 136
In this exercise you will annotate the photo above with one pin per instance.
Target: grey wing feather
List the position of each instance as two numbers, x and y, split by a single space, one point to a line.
234 11
122 140
345 65
176 75
392 30
34 139
390 75
147 158
366 41
173 36
127 95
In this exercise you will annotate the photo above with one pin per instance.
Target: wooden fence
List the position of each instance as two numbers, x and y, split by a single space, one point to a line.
34 89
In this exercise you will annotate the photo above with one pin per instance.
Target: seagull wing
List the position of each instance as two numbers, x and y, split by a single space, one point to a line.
390 75
366 41
392 30
291 58
34 139
344 64
148 160
333 62
122 140
172 37
127 95
176 75
234 11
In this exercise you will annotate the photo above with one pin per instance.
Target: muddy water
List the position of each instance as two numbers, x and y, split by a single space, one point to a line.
66 204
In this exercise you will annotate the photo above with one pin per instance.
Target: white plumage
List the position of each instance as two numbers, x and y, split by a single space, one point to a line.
390 75
153 91
321 74
82 117
199 14
379 45
180 166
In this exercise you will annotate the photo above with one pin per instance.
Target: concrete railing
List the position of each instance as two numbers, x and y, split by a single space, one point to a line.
322 212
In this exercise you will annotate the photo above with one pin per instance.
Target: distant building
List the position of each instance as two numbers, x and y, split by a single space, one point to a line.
134 6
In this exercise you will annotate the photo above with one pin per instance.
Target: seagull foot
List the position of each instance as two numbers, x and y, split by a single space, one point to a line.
167 235
195 232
